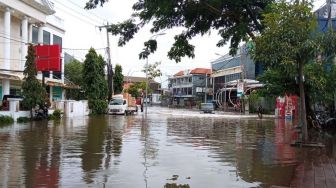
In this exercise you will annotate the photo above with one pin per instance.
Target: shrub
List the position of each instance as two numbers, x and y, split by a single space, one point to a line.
57 114
98 106
23 119
6 120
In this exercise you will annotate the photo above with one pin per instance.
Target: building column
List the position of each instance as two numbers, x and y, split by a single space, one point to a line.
6 49
40 35
51 94
40 41
30 33
24 47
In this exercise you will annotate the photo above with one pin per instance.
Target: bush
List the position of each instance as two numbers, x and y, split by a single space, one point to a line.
23 119
57 114
6 120
98 106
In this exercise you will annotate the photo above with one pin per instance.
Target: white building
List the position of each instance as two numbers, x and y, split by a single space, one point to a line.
23 22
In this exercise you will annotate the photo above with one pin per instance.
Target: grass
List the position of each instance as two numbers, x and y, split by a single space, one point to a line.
5 120
23 120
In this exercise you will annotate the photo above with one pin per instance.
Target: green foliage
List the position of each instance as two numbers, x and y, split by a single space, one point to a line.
98 106
153 70
136 89
321 82
57 114
234 20
73 71
32 90
23 119
287 37
278 81
94 83
6 120
118 79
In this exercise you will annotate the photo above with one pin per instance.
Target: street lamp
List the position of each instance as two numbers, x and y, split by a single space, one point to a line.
146 70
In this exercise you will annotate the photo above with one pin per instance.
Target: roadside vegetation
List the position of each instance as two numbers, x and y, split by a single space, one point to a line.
94 83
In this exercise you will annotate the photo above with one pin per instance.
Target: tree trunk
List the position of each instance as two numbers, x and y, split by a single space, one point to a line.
303 104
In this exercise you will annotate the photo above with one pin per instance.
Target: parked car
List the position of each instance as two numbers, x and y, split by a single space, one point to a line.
207 107
122 105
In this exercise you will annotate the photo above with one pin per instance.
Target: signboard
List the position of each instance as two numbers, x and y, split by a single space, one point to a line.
240 88
48 57
56 93
199 90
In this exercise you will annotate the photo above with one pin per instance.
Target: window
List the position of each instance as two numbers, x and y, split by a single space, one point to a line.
57 40
35 35
46 74
46 37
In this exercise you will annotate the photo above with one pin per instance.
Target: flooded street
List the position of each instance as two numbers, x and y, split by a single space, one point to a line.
165 149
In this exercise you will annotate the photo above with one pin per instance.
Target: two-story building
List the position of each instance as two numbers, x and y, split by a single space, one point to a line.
228 70
190 87
23 22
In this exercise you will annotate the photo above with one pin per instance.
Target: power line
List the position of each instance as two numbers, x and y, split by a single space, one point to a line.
18 41
71 10
81 8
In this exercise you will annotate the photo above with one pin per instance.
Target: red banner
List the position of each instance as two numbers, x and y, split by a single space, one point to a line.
48 57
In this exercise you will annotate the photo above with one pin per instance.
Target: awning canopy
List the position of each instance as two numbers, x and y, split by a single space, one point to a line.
11 76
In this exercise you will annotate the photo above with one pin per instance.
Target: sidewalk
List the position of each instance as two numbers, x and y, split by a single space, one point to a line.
315 172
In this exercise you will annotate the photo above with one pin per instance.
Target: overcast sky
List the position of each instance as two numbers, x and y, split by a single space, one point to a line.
82 33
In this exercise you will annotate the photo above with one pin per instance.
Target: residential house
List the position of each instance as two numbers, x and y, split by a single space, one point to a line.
155 96
23 22
191 86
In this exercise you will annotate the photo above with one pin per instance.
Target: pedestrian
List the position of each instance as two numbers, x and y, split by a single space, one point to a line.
260 109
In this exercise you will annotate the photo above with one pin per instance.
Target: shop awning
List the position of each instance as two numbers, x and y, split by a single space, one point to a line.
10 76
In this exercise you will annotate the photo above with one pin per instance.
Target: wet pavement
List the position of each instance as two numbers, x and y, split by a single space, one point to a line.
166 148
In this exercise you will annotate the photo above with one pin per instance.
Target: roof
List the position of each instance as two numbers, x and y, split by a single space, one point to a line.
180 73
226 62
200 71
134 79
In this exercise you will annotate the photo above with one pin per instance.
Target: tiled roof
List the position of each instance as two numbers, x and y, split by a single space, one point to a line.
200 71
180 73
134 79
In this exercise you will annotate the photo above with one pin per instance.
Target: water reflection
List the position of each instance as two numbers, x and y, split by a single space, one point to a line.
157 151
259 150
41 149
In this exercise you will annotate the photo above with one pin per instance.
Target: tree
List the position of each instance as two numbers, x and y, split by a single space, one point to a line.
32 90
153 70
118 79
288 40
94 84
136 89
73 72
234 20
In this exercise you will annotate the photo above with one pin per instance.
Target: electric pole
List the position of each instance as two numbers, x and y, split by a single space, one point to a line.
109 64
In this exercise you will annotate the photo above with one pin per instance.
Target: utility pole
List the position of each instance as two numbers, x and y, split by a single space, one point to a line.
109 64
206 88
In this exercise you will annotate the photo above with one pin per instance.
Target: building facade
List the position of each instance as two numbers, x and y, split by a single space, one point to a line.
191 87
23 22
228 71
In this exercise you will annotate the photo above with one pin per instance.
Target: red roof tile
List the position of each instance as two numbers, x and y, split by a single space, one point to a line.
180 73
200 71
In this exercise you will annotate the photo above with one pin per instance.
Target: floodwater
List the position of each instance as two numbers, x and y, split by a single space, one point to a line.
157 150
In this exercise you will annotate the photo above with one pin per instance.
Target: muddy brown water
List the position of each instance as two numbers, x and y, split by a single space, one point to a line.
157 151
